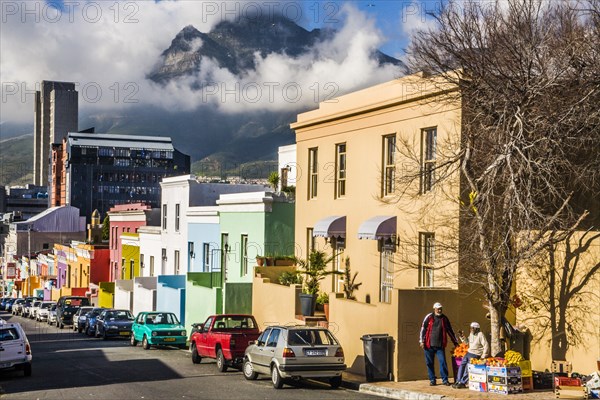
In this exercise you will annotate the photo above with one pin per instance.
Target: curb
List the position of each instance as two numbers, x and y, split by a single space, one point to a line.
392 393
352 385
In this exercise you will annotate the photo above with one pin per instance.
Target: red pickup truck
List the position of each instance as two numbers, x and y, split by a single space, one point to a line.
225 338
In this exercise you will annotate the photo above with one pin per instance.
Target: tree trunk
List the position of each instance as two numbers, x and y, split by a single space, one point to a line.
496 345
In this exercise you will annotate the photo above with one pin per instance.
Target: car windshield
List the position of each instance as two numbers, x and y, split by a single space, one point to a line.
310 337
84 310
46 305
119 315
96 312
162 318
234 322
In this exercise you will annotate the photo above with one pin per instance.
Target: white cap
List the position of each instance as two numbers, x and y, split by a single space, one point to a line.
437 305
475 325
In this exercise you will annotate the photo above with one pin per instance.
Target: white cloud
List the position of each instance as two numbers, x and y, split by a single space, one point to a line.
109 47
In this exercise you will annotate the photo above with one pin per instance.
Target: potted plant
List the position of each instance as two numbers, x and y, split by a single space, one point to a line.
315 270
289 278
284 261
323 301
349 281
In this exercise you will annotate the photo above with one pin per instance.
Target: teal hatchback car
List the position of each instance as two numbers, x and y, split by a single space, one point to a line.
155 328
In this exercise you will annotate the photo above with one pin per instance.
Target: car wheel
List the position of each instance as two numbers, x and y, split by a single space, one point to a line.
248 370
132 340
196 359
27 369
276 377
335 382
145 343
221 363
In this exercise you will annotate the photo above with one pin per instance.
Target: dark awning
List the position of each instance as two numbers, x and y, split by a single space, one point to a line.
331 226
380 227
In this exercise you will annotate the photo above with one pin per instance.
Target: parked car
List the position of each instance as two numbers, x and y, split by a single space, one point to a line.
224 337
114 323
52 315
90 320
158 328
44 310
35 306
80 317
16 307
14 347
26 306
66 307
295 352
9 304
4 305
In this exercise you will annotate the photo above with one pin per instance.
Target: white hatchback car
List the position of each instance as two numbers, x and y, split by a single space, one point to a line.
14 347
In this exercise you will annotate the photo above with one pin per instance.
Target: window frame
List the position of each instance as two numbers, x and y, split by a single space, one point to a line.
244 255
176 261
341 174
313 172
428 158
206 256
426 259
177 216
388 177
164 217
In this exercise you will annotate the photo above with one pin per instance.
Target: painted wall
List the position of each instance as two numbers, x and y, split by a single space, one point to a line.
130 252
170 295
150 249
238 298
100 266
106 294
279 229
144 294
236 224
199 234
203 297
124 294
268 312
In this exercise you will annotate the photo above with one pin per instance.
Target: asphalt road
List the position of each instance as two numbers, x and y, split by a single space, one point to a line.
69 365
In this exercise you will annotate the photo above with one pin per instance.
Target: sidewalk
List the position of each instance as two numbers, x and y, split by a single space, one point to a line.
420 390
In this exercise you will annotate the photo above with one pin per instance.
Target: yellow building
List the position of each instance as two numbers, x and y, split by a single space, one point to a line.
355 156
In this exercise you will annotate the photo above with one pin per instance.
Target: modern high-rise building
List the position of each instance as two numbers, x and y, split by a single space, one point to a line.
56 114
97 171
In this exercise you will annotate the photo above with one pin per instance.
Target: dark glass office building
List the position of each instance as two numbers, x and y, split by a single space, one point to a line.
100 171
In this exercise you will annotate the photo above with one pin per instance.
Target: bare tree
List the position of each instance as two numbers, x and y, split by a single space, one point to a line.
527 74
558 295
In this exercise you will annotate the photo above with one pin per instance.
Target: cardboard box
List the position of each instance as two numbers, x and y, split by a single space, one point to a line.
571 392
477 378
478 386
503 371
477 369
504 380
505 389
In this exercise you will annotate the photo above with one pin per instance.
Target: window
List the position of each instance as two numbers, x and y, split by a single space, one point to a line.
131 267
428 145
338 245
191 256
177 217
273 338
244 255
340 170
262 339
206 257
142 261
386 272
122 268
389 165
151 265
313 172
310 241
164 219
426 258
163 269
176 262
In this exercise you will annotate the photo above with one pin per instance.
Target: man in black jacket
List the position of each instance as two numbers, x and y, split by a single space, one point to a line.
433 340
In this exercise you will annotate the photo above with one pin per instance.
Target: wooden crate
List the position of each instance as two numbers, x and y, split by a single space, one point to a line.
571 392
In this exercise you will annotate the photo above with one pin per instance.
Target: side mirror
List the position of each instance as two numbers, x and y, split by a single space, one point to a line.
251 342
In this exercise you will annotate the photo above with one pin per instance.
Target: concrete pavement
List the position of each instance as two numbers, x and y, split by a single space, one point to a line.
420 390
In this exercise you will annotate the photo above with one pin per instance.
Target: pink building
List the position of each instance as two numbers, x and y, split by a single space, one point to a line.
127 218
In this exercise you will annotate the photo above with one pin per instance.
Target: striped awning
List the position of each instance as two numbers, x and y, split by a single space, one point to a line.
333 226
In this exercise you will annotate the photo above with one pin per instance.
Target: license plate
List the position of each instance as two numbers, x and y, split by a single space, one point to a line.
315 353
169 339
124 333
